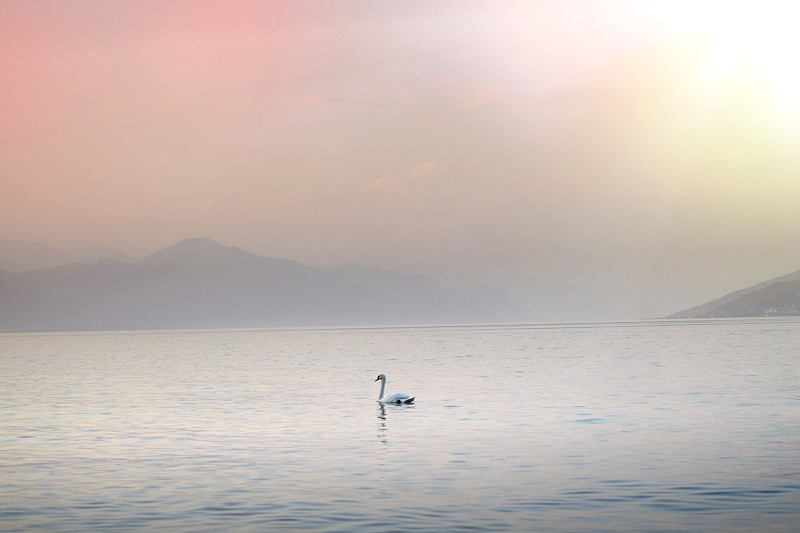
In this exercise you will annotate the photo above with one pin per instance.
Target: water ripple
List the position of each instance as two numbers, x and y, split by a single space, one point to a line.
646 427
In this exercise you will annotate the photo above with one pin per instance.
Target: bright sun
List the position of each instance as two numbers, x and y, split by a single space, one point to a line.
768 33
764 32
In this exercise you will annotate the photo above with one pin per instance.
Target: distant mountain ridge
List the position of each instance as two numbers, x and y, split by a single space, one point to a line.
775 297
199 283
20 256
201 251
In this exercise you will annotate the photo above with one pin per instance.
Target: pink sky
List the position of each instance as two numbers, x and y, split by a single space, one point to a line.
610 144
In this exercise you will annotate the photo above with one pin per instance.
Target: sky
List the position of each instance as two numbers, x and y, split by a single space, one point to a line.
646 152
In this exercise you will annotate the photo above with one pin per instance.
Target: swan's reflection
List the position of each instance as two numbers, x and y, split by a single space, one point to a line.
382 428
383 419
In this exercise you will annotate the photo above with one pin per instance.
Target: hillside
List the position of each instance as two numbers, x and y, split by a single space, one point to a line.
775 297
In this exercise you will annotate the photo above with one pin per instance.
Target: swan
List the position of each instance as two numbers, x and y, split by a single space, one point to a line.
393 397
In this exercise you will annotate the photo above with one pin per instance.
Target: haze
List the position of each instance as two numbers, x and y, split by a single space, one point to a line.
646 152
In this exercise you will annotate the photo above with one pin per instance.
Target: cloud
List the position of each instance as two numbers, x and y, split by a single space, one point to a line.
321 100
469 103
387 182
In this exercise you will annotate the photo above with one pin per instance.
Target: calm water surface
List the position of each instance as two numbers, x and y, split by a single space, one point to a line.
647 426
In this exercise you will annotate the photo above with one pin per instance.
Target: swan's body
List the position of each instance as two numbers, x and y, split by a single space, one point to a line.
392 397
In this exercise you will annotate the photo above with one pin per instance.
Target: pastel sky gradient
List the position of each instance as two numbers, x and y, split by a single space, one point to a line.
647 151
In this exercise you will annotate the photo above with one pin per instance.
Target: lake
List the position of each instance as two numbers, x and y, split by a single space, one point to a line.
641 426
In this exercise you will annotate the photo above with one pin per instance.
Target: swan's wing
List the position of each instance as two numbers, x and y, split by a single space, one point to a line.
396 397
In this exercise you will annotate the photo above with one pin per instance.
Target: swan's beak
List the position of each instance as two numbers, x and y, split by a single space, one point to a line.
376 379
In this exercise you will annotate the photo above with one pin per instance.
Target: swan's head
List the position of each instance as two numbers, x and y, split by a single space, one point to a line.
380 377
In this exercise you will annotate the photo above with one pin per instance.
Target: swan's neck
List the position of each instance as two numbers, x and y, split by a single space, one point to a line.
383 386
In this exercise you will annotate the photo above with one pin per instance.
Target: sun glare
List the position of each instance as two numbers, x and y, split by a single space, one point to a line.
763 33
767 34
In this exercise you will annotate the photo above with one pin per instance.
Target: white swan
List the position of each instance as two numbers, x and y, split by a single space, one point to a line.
393 397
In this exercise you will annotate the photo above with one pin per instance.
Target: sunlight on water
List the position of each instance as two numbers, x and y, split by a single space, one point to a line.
645 426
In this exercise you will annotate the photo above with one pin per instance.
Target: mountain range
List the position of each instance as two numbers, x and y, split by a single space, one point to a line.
20 256
199 283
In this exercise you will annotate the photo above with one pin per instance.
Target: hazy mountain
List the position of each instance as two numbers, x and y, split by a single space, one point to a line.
205 252
199 283
775 297
22 308
402 291
19 256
